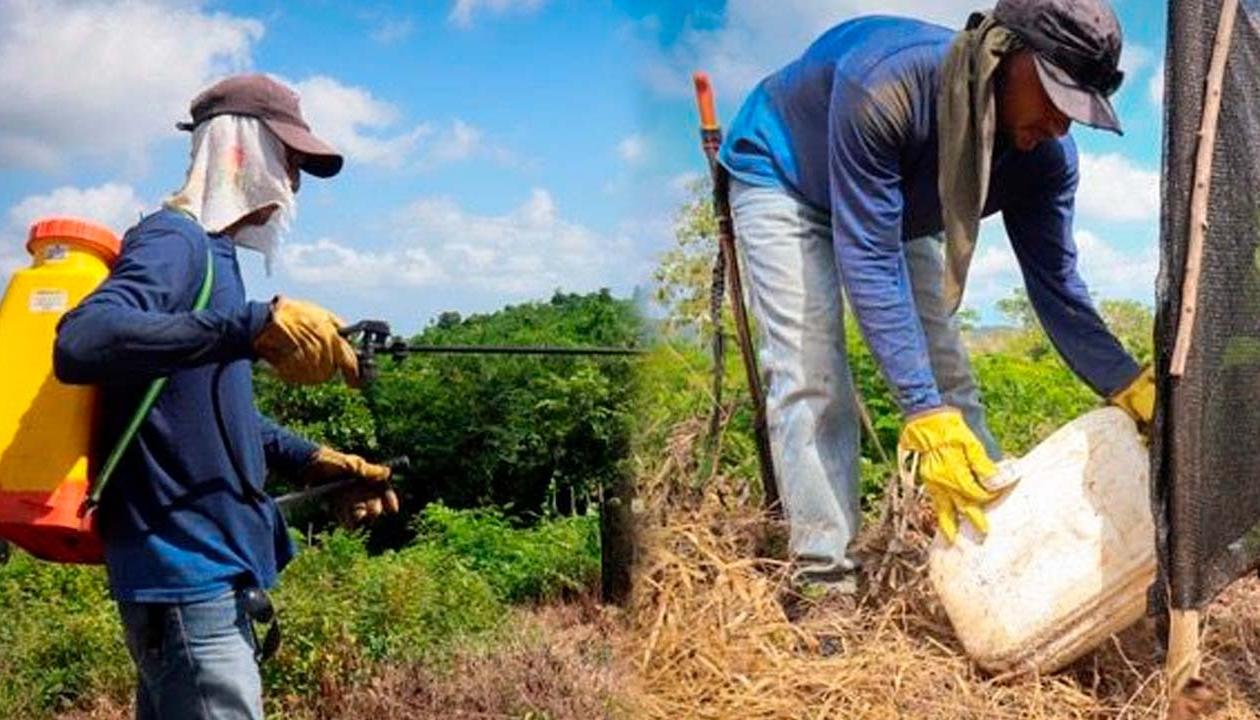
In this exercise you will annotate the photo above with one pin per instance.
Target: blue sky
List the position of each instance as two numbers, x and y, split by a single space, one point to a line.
487 141
496 149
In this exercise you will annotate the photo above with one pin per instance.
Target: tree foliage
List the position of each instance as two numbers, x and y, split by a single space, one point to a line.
529 434
683 277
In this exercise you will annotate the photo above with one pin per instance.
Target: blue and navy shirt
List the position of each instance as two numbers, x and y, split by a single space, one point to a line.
185 517
850 128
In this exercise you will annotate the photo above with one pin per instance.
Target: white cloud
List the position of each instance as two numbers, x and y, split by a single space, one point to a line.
458 142
355 122
361 126
326 261
1113 273
632 148
757 36
1135 58
527 252
113 205
1108 271
1114 188
994 271
462 11
1155 88
389 32
106 79
680 186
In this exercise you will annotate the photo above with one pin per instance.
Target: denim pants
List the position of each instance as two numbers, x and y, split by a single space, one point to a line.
789 262
194 660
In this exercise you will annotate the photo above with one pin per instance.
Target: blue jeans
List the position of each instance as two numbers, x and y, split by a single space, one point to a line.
194 660
793 286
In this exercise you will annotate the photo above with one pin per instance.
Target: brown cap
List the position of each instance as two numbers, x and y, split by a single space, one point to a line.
257 95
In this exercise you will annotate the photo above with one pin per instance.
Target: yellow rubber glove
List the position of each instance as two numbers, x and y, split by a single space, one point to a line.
301 342
1138 399
367 500
952 462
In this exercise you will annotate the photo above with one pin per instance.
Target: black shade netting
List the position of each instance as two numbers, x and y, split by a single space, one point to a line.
1206 437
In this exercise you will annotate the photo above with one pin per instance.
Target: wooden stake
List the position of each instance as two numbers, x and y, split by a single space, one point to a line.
1184 659
1200 193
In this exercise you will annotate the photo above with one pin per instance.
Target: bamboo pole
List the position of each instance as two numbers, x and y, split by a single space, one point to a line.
1201 191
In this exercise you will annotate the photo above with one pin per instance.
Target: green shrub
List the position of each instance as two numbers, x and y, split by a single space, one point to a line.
1026 400
342 609
537 563
60 642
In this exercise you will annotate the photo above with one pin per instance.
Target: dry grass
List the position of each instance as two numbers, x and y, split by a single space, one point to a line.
558 665
714 632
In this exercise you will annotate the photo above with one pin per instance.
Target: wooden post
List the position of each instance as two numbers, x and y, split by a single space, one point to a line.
617 540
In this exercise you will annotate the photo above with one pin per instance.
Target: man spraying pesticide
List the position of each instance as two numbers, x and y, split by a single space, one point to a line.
863 168
191 540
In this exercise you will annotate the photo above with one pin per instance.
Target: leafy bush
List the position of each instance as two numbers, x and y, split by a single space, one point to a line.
60 641
1025 400
343 610
538 563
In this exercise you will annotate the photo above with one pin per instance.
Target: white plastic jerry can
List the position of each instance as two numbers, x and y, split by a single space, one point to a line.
1069 555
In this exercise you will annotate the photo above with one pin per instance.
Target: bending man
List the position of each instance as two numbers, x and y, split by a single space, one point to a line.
851 167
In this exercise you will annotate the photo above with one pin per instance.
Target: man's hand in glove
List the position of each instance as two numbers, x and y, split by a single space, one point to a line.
362 501
301 341
952 464
1138 399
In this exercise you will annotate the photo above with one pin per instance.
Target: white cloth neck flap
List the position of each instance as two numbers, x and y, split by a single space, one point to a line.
238 167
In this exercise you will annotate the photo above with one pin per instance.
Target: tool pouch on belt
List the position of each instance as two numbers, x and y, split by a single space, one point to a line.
259 610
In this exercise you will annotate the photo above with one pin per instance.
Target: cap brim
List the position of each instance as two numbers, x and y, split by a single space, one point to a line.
1078 103
318 157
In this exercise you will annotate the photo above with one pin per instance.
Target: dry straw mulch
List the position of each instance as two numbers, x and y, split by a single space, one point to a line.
716 633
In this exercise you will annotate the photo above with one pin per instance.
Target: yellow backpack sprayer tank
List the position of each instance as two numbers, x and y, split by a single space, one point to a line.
47 428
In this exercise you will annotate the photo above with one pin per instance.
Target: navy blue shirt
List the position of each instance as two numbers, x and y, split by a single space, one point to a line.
851 129
185 517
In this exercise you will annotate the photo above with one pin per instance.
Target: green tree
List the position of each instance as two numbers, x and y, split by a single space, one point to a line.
683 278
1030 339
529 434
1133 323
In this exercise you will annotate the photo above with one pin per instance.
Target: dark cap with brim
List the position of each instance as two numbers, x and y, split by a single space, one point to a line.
1077 102
277 106
1077 46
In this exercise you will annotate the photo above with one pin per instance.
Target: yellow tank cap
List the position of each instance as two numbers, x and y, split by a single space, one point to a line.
77 232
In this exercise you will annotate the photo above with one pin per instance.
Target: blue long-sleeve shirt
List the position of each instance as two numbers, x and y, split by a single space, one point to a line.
185 517
850 127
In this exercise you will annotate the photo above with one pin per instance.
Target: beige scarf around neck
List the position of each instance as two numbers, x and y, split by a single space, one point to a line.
966 112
